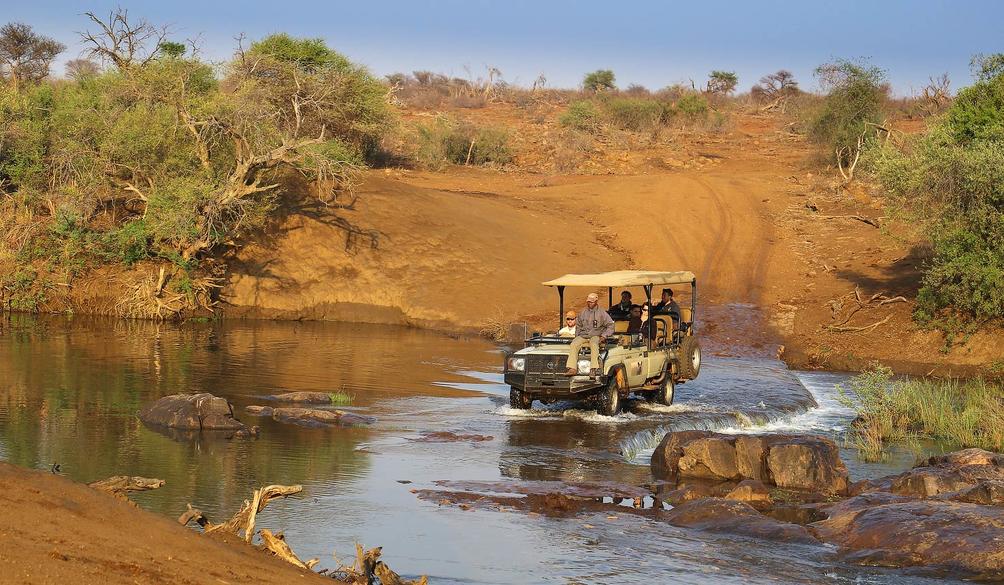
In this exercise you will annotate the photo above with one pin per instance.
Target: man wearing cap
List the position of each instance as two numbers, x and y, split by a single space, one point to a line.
569 329
593 325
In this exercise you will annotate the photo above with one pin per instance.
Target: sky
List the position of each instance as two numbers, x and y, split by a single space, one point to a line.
648 42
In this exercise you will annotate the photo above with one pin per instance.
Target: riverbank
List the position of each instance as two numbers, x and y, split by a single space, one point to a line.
829 276
59 531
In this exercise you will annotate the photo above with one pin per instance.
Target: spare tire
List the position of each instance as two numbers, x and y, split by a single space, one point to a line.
689 356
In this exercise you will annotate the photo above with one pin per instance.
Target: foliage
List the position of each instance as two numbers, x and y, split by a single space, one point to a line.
722 82
21 290
855 92
965 414
779 84
599 80
634 113
462 143
692 106
581 115
954 173
185 162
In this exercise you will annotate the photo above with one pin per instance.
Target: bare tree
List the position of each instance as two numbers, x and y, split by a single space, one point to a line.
78 69
937 94
25 55
122 42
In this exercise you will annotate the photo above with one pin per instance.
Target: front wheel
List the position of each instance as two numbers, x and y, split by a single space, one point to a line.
664 395
519 399
610 398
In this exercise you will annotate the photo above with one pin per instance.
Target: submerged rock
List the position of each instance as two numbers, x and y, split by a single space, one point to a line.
751 491
723 515
962 538
194 412
302 397
311 417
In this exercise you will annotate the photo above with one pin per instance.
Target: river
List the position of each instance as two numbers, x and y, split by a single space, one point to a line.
70 388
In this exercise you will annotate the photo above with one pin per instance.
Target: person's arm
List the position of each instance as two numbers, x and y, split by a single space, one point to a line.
608 325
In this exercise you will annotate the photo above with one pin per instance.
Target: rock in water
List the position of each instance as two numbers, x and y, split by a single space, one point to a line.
809 463
302 397
669 451
311 417
709 458
962 538
721 515
193 412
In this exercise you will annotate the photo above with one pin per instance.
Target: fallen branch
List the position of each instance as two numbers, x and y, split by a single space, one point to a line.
837 329
894 300
244 519
871 222
120 485
276 544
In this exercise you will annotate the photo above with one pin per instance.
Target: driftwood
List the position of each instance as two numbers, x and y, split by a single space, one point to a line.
276 544
120 485
858 302
244 519
861 218
369 567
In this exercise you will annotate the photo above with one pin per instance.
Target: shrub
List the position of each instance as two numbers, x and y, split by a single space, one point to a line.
634 113
449 141
978 112
599 80
855 92
692 106
722 82
581 115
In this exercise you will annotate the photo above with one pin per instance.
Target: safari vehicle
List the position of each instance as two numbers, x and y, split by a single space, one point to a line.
648 365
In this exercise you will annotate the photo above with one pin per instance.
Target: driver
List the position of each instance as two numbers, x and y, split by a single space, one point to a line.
593 325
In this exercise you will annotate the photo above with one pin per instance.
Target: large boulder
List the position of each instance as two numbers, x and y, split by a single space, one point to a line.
669 451
722 515
193 412
809 463
751 455
987 493
709 458
961 538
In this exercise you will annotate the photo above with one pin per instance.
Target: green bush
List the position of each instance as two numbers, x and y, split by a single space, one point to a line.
634 113
449 141
692 106
581 115
855 93
978 112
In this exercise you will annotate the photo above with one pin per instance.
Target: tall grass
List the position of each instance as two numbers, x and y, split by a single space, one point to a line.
963 413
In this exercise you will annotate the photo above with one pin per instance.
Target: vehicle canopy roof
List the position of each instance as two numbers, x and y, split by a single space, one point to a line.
624 278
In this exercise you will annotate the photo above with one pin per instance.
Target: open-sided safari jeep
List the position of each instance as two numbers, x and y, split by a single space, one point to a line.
649 365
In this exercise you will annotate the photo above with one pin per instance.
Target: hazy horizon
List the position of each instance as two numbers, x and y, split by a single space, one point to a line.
649 43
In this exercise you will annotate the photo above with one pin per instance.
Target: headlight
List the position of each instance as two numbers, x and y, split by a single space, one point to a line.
583 366
517 364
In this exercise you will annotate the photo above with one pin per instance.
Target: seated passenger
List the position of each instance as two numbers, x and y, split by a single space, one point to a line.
638 323
569 329
667 306
622 310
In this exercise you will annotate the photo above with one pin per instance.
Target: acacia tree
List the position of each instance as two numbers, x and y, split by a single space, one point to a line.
779 84
25 56
722 82
599 80
121 41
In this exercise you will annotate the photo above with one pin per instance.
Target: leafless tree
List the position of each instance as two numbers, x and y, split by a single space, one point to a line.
25 55
937 94
122 42
775 85
78 69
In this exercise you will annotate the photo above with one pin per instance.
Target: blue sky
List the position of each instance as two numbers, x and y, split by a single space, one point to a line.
647 42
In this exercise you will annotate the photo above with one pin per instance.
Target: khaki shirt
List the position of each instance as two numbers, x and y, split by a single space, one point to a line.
593 322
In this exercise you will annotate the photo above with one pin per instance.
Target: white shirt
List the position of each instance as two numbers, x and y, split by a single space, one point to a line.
567 331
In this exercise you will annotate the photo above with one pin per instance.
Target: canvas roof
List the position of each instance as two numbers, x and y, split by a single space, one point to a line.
623 278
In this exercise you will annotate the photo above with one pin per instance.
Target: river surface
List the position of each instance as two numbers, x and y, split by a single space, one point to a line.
70 389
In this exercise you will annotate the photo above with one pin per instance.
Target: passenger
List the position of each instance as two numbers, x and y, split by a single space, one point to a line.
667 305
634 320
569 329
622 310
639 320
592 326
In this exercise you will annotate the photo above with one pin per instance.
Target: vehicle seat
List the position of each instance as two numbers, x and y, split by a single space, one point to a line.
686 315
621 326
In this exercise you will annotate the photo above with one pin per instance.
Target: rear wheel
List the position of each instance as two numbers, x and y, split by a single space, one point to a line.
610 398
519 399
690 358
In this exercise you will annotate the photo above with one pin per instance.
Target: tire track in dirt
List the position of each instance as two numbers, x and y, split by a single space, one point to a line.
722 241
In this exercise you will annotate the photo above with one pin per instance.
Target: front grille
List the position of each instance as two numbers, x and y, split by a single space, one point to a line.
545 364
